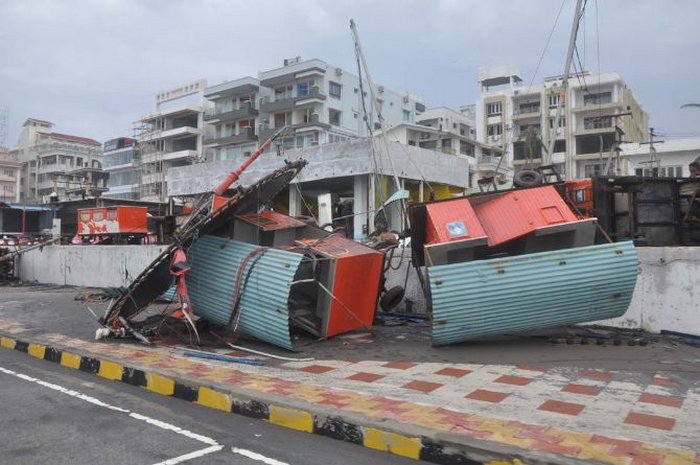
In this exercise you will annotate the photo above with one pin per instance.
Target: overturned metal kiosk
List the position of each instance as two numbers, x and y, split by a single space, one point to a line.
514 261
240 265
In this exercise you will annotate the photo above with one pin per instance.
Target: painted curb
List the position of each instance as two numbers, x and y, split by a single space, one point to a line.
396 438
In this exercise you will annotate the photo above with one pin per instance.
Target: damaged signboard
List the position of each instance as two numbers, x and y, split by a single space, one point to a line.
515 261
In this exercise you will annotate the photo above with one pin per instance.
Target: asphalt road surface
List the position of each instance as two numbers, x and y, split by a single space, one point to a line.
52 415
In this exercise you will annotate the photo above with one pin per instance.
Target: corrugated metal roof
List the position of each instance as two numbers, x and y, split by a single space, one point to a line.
264 302
483 298
453 220
516 213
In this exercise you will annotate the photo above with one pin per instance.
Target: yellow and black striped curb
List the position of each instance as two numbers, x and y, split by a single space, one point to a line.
416 446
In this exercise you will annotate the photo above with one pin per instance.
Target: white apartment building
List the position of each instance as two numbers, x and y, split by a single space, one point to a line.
319 102
120 159
520 119
448 131
669 158
57 166
9 177
171 136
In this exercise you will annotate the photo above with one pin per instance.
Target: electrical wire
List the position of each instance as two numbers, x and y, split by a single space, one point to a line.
546 46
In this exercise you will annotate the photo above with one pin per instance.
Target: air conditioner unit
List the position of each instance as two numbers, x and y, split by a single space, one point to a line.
338 72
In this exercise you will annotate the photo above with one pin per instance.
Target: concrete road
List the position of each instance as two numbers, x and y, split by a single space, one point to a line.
52 415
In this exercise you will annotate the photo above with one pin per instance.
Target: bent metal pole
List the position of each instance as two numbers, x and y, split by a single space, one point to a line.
235 174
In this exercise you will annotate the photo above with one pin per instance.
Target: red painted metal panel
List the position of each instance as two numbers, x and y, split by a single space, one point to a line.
356 288
453 220
112 220
517 213
357 273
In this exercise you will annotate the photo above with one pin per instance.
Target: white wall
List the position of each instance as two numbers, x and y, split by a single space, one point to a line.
90 266
667 295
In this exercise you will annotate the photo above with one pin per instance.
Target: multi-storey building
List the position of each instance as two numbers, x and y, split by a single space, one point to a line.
9 177
120 160
445 130
171 136
597 113
57 166
319 103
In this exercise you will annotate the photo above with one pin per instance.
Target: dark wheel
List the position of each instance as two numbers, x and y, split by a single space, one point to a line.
391 298
527 178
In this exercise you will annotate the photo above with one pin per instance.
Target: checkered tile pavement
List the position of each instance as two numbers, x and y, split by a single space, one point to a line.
654 408
615 417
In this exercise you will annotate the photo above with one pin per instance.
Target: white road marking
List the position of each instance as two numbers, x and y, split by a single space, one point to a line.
213 445
255 456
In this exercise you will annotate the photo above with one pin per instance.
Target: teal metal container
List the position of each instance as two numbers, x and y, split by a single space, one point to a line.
477 299
264 300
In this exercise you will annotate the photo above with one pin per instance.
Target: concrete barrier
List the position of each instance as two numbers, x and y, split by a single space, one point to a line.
90 266
667 295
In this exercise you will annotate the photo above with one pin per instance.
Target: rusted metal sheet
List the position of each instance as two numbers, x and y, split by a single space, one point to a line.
271 221
514 214
216 282
477 299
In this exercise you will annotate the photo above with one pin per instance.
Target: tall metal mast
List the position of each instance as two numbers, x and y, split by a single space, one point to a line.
568 160
375 99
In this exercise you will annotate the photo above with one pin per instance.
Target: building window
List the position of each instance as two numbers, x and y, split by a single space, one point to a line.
407 116
553 100
493 109
597 122
559 146
494 129
597 99
593 170
303 89
662 172
334 117
283 93
562 122
529 107
334 89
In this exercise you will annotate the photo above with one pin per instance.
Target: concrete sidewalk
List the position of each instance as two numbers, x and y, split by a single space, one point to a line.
441 412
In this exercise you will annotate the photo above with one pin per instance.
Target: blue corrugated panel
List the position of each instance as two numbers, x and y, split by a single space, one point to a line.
264 301
170 295
483 298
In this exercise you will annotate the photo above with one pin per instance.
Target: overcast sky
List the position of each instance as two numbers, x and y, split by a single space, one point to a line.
93 67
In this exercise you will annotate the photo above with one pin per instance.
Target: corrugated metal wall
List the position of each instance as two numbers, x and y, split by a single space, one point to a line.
501 296
264 302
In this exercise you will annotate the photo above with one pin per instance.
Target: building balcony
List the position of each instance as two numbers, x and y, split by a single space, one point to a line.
603 105
243 86
221 116
177 111
527 112
6 178
246 136
487 162
315 95
291 70
56 168
170 156
175 133
587 131
274 106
